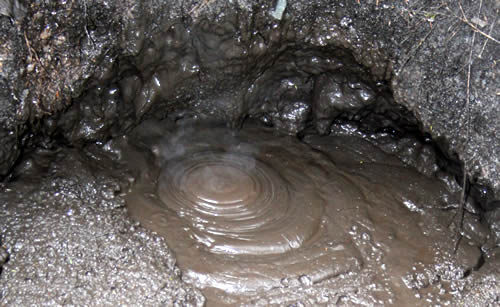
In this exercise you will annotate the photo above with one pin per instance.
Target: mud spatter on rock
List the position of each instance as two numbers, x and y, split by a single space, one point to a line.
256 217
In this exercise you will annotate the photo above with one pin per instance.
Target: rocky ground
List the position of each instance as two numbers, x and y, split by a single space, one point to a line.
69 241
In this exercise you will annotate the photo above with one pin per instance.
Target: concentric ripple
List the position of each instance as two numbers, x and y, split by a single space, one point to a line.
236 204
244 212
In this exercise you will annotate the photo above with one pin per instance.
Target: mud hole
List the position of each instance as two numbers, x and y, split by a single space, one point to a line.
254 214
253 217
243 162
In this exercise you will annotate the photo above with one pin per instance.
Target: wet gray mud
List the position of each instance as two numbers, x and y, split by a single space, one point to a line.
194 213
120 185
256 217
66 239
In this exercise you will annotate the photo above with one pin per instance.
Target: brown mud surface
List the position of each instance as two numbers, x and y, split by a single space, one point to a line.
253 217
95 98
256 217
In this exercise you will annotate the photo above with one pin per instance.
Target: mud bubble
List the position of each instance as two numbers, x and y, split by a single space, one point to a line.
252 211
240 212
236 204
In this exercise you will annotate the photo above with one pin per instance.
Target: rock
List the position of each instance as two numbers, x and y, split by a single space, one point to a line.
4 256
493 219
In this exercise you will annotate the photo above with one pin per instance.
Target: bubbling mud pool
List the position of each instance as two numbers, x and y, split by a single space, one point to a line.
254 214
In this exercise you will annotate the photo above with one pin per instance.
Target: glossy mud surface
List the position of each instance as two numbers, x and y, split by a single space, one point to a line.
260 218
